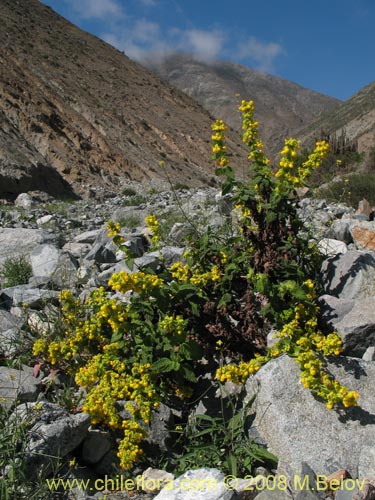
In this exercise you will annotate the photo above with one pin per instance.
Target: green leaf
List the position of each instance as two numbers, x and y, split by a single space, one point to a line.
164 365
225 299
188 374
190 350
232 464
271 216
130 263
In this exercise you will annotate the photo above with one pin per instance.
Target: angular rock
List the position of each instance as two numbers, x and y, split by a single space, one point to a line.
78 250
369 355
330 247
52 434
340 230
347 492
97 443
153 480
44 260
297 426
53 265
364 236
87 237
364 207
21 241
46 220
350 275
20 295
17 385
13 341
353 320
205 484
100 253
24 200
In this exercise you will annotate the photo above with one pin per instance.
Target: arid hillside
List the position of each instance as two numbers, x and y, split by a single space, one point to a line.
282 107
75 112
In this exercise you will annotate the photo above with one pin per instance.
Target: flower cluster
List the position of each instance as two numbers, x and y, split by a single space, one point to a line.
250 134
295 175
238 374
153 225
113 231
173 324
195 275
138 282
219 148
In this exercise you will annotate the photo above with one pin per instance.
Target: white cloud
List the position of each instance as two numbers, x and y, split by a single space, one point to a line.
262 54
140 40
100 9
203 44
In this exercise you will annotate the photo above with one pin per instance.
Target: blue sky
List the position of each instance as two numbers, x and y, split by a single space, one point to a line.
324 45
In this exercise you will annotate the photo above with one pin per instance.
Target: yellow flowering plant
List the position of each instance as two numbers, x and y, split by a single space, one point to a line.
281 263
141 339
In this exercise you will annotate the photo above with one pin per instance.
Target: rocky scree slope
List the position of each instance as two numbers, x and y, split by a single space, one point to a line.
281 106
71 248
76 112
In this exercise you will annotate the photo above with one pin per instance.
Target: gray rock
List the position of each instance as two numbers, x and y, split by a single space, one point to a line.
24 200
97 443
159 437
205 484
274 495
171 254
366 462
51 264
87 237
353 320
8 321
330 247
17 385
179 232
108 463
99 253
153 480
340 230
104 276
44 260
348 491
148 260
13 341
52 434
350 275
369 355
78 250
46 220
307 495
295 425
20 241
35 298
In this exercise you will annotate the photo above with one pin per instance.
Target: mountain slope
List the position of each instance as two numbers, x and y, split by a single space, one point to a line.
354 118
282 107
80 111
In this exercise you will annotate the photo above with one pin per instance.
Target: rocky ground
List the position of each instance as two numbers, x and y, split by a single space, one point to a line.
68 247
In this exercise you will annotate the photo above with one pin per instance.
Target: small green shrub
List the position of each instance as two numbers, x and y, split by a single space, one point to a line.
128 191
134 201
130 221
221 440
181 186
15 271
350 189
